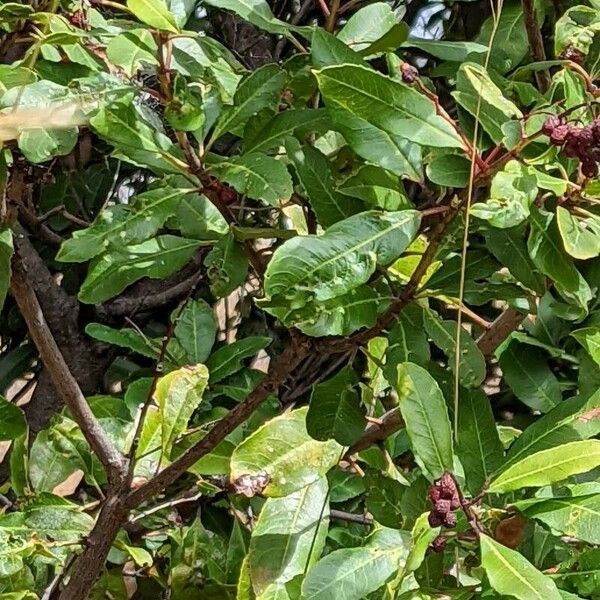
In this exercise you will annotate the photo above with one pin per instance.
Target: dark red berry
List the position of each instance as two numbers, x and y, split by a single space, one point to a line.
435 519
550 124
447 486
438 544
455 502
571 148
589 169
596 130
435 493
559 134
443 506
450 519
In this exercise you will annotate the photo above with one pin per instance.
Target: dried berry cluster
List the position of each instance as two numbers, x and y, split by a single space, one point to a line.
445 498
577 142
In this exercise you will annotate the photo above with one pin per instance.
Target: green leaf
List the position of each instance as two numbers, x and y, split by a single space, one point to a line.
227 266
353 573
479 447
377 188
550 258
12 420
289 535
283 450
198 218
383 499
6 252
407 342
255 175
327 50
41 144
512 193
450 170
323 267
456 51
392 152
472 366
577 517
527 373
589 338
136 139
315 174
125 338
385 103
154 13
120 225
548 466
581 237
113 271
256 12
425 414
259 90
177 395
368 25
297 123
341 315
510 248
196 330
511 574
49 465
335 410
510 42
572 420
479 95
229 359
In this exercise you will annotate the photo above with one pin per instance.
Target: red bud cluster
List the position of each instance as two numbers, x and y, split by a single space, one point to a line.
445 499
577 142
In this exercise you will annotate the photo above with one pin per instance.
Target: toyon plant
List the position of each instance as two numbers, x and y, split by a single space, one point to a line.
299 300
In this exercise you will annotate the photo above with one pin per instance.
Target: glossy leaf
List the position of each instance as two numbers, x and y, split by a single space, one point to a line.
290 123
386 104
478 94
344 257
289 536
527 373
283 450
581 238
229 359
227 266
335 410
196 330
479 447
425 415
472 367
256 12
549 466
255 175
12 420
352 573
314 173
121 225
126 338
177 395
113 271
577 517
257 91
154 13
511 574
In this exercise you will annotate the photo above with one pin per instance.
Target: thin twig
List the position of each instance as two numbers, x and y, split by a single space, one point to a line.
536 44
64 382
